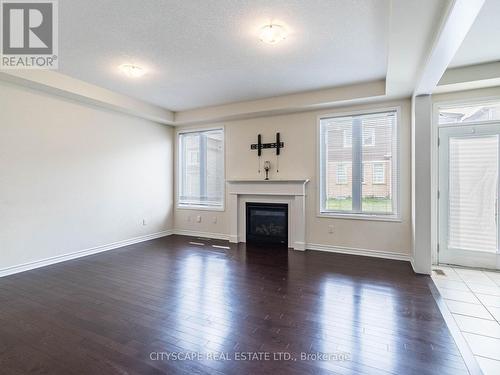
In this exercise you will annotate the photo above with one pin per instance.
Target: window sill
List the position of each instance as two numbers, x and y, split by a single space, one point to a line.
336 215
199 208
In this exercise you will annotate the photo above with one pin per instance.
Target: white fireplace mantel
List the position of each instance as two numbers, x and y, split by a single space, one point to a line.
291 192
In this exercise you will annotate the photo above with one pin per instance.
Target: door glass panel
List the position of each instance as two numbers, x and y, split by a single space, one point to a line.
473 172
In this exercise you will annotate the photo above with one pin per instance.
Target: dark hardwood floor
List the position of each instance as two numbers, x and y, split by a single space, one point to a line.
122 310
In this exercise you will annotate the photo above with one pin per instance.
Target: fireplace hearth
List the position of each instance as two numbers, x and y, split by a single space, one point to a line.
267 223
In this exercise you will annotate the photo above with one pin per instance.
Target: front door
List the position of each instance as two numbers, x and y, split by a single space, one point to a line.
468 195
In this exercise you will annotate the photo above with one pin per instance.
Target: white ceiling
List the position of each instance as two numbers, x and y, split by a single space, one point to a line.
482 43
200 53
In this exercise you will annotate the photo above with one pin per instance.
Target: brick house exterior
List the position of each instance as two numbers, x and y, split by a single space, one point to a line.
377 161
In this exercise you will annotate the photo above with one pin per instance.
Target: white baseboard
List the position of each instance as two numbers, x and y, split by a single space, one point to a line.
356 251
310 246
300 246
220 236
78 254
419 271
193 233
412 262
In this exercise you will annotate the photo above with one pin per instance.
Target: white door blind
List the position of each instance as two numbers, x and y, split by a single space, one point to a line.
473 174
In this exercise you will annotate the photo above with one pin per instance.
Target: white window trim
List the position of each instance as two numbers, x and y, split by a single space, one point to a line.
396 217
180 206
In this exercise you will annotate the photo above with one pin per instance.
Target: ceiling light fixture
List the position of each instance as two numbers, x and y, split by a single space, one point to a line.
272 34
132 71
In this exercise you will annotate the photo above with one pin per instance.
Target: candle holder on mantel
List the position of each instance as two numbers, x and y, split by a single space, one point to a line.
267 167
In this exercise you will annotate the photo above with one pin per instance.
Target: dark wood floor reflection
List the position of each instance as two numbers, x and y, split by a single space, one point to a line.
117 312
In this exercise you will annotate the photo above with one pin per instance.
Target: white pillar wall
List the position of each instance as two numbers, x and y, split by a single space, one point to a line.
422 220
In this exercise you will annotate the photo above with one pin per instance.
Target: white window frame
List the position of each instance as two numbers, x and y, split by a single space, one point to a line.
180 206
396 171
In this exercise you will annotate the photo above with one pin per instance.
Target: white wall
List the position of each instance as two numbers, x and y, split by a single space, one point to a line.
422 190
298 160
74 176
468 95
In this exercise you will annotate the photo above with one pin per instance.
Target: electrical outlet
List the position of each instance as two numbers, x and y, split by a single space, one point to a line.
189 219
214 220
144 222
330 229
198 219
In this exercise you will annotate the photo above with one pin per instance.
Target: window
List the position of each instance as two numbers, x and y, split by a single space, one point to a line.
467 113
378 173
341 174
201 169
360 153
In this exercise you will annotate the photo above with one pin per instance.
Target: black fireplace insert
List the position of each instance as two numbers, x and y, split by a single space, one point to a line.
267 223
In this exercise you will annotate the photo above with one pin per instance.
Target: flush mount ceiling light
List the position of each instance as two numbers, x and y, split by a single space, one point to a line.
272 34
131 70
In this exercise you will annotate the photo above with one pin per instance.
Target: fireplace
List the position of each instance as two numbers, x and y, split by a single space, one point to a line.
289 192
267 223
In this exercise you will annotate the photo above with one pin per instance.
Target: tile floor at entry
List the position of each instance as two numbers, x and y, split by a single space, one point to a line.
473 298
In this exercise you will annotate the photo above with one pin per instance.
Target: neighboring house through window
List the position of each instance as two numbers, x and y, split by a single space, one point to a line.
379 173
341 174
201 169
368 137
358 164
